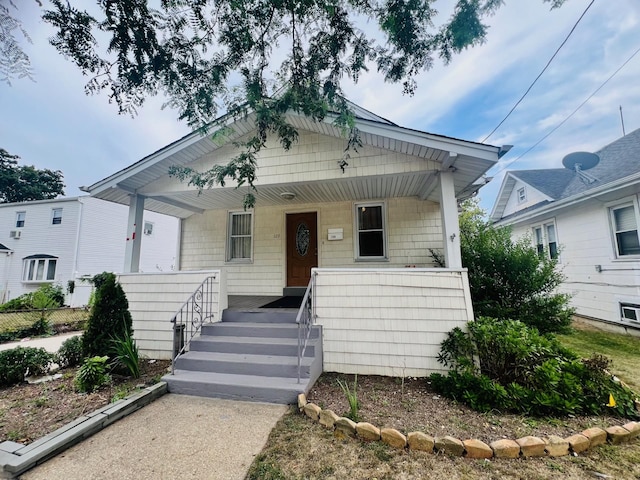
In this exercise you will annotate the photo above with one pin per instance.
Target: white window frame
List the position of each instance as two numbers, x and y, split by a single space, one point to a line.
522 194
55 216
30 269
628 202
148 228
543 226
230 216
21 217
356 230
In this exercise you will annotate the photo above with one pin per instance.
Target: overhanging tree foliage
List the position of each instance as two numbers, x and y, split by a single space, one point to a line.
510 279
212 56
22 183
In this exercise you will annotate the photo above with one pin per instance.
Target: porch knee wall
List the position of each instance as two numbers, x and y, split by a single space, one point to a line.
389 322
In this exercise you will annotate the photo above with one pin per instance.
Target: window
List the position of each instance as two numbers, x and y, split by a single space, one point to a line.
148 228
20 218
625 229
56 217
630 312
545 239
370 227
522 195
39 268
240 236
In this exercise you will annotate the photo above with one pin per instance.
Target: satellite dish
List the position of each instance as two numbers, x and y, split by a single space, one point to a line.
577 161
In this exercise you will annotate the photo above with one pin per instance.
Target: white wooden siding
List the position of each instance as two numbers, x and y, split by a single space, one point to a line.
533 197
413 226
153 300
389 322
312 158
585 239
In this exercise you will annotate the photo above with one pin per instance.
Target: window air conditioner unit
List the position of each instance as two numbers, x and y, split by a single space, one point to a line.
15 233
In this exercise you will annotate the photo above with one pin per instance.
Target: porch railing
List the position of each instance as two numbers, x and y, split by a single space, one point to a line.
188 320
305 320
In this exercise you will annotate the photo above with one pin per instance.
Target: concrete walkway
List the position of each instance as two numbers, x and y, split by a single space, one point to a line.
175 437
50 344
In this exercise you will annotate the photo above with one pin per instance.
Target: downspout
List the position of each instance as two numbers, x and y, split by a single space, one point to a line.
74 271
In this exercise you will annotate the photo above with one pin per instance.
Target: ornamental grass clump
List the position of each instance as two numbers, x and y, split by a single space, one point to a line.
508 366
352 398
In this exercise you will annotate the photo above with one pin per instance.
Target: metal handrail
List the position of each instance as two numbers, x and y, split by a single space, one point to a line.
305 319
189 318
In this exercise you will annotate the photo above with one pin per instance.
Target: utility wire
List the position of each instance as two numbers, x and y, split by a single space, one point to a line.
540 74
570 115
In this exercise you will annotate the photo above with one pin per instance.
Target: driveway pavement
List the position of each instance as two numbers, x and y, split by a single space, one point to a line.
50 344
175 437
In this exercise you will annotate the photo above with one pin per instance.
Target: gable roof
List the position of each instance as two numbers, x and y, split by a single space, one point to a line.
619 160
472 161
3 248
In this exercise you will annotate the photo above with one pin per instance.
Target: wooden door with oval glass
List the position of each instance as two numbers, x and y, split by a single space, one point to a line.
302 247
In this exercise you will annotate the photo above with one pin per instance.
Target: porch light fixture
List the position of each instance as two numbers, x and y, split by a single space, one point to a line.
288 195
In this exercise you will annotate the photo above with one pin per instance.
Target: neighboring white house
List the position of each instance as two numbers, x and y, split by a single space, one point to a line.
366 230
586 214
65 239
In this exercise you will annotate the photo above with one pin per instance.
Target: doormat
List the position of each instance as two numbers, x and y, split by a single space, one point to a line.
285 302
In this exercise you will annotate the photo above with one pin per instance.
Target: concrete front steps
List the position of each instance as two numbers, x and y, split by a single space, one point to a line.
250 355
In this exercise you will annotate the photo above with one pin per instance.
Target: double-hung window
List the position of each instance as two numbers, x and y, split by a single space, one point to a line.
56 216
522 195
624 222
39 268
20 218
545 239
370 231
240 238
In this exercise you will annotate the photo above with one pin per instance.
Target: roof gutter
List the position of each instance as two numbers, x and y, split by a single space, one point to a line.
569 201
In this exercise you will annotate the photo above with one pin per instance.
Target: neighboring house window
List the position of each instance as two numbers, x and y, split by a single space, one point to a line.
522 195
630 311
148 228
39 268
56 217
546 240
20 218
240 236
625 229
370 227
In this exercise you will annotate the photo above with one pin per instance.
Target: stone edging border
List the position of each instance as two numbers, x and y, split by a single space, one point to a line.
529 446
16 458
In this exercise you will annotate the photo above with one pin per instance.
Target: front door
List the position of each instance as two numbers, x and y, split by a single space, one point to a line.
302 247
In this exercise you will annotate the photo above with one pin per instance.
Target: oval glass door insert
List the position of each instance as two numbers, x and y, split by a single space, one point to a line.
302 239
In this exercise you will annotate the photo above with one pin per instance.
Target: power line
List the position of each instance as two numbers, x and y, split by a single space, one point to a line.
540 74
571 114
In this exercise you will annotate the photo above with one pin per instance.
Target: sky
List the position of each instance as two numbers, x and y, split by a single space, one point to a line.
51 123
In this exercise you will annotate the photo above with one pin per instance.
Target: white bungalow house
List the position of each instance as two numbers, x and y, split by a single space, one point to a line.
358 238
587 215
67 239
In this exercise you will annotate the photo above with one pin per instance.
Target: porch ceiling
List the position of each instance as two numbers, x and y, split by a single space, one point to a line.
470 161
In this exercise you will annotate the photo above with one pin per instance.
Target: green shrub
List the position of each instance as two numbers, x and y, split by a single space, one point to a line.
19 362
92 374
47 296
126 355
109 316
510 279
70 352
507 366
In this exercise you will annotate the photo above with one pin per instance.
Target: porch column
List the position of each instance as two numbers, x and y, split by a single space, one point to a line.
450 225
134 234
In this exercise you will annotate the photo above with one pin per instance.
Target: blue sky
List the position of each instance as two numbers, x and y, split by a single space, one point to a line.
51 123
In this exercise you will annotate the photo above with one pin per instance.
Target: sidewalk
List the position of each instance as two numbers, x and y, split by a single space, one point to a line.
175 437
50 344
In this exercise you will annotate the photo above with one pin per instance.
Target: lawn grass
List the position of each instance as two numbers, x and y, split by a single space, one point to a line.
623 350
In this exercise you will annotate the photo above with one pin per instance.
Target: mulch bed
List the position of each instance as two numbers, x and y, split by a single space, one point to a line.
412 405
28 412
